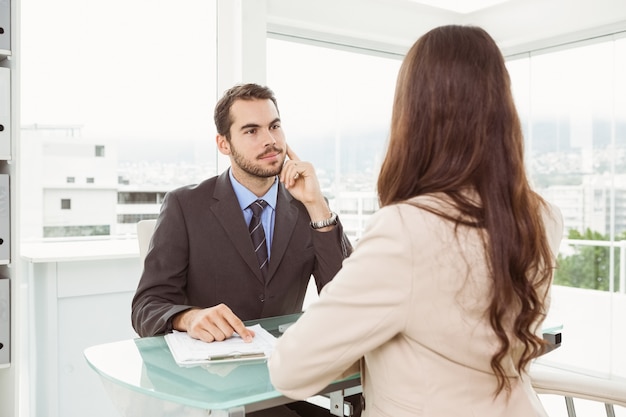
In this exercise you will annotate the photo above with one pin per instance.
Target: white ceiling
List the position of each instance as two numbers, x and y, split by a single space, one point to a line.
461 6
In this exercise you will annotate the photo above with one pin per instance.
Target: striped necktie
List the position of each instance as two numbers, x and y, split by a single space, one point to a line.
257 233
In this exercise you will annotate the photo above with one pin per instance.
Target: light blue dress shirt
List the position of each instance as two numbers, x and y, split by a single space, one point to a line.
247 197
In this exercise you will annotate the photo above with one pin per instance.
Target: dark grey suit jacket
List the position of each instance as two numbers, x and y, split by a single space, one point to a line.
201 255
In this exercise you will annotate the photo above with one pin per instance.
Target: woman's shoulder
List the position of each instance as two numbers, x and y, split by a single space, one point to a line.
416 210
553 224
427 205
552 213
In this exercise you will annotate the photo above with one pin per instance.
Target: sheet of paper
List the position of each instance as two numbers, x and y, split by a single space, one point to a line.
189 351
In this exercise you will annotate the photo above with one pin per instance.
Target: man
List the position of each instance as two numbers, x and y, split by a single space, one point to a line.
202 274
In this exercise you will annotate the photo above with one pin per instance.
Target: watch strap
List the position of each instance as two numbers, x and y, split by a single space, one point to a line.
331 221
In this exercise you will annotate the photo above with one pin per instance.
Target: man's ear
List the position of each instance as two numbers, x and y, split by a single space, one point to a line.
222 144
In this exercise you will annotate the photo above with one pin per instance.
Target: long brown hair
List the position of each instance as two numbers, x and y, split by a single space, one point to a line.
455 128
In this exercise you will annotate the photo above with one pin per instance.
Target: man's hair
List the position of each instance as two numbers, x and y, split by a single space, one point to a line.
222 117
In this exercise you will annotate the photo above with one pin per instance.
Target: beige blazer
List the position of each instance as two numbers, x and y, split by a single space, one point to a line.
409 304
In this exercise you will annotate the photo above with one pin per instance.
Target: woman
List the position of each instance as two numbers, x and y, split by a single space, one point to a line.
443 299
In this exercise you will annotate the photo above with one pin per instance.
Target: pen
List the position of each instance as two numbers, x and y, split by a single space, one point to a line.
237 355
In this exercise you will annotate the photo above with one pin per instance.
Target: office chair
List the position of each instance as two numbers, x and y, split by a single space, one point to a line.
145 228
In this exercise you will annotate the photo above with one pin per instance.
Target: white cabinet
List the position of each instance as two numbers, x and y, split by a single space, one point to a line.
5 220
4 321
5 113
5 27
77 302
9 273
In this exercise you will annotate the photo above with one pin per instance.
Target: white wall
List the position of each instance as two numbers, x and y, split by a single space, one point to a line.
391 25
394 25
522 25
82 212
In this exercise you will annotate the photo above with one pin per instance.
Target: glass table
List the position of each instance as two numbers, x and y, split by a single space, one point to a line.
142 378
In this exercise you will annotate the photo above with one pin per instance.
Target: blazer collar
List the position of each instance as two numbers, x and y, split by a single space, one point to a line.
227 211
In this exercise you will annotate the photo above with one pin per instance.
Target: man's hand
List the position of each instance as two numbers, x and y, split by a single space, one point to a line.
212 324
300 179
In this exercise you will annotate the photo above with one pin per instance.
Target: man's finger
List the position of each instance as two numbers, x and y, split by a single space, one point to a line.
291 154
245 333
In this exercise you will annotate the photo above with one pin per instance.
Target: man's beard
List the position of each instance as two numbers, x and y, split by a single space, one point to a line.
249 167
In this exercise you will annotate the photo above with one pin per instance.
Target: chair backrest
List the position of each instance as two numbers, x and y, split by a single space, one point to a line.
145 228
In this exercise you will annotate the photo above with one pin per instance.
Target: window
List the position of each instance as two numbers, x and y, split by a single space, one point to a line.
90 180
336 116
70 180
572 103
140 197
134 218
85 230
66 204
100 150
141 114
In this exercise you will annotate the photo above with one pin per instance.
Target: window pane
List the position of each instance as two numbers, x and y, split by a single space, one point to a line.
519 71
336 109
571 141
573 108
121 92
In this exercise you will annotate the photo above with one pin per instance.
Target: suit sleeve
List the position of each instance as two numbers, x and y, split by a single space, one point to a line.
161 290
370 298
331 248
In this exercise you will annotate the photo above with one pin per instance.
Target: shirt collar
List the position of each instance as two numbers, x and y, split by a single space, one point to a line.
247 197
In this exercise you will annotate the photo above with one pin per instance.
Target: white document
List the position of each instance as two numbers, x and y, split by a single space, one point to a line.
188 351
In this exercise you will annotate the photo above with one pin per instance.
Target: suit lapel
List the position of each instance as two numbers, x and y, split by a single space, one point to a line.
228 213
284 226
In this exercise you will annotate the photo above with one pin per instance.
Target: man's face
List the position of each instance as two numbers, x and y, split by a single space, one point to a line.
257 144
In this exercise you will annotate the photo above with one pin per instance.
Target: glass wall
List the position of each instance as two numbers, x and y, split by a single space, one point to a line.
572 104
335 107
118 96
116 113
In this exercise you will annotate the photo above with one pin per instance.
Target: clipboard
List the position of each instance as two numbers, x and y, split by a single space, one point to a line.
188 351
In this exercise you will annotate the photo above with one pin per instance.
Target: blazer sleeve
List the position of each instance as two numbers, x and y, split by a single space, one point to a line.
370 294
161 290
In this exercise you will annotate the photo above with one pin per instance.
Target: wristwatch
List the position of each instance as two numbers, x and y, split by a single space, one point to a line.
331 221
